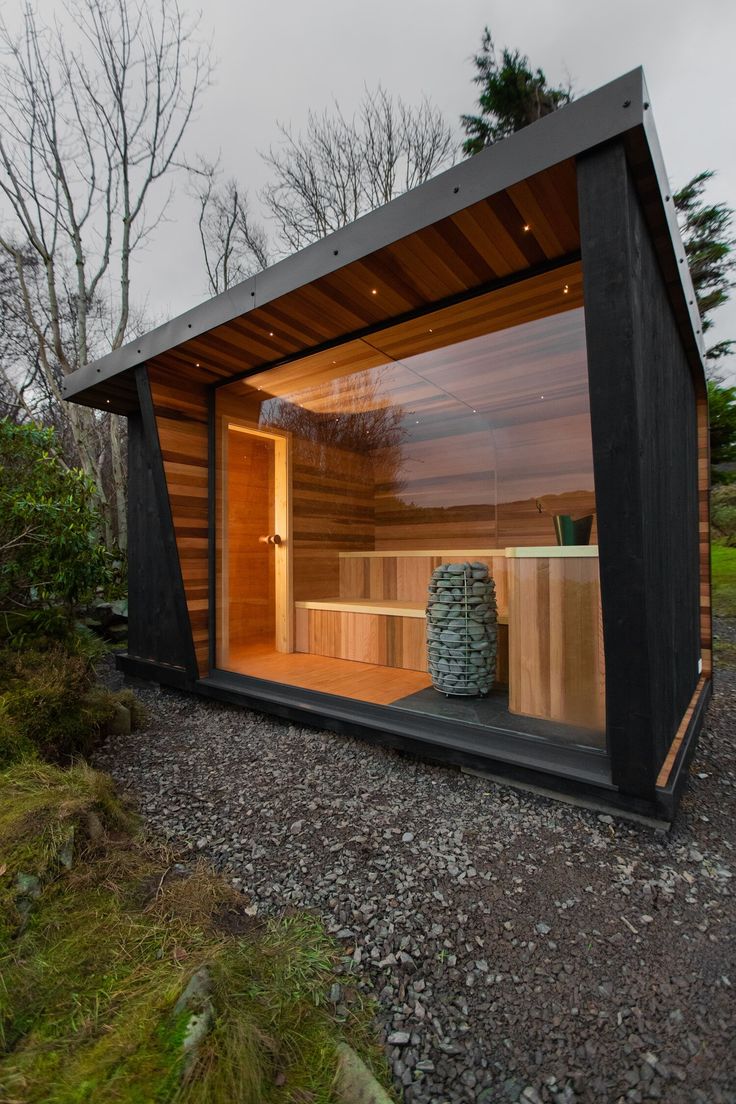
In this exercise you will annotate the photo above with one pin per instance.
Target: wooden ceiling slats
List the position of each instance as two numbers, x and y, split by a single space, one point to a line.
474 225
512 221
482 243
458 265
466 248
556 192
535 217
392 295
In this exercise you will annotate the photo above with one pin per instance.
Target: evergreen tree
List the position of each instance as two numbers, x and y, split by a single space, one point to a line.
709 246
512 95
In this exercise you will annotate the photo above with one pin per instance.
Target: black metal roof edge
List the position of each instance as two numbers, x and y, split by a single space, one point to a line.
670 214
601 115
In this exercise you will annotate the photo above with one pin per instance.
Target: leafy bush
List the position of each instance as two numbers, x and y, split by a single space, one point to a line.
50 554
722 417
723 513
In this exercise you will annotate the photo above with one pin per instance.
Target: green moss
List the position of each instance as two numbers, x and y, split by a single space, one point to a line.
93 971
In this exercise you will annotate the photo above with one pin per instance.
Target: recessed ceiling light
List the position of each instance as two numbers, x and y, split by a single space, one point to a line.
270 333
374 291
526 227
565 289
431 331
197 365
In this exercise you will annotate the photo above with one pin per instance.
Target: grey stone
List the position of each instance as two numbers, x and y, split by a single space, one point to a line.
399 1038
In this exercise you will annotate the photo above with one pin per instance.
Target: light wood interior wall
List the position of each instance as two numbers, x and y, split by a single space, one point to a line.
556 659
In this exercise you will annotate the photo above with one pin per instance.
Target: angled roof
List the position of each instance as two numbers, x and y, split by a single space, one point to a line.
507 213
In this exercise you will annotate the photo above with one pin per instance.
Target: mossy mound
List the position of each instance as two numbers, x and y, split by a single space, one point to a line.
102 934
50 706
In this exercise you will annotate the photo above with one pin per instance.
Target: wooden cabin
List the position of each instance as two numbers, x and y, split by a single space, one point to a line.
512 346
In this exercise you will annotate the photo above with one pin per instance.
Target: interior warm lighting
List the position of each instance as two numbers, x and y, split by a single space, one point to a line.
270 333
526 227
566 289
374 291
197 365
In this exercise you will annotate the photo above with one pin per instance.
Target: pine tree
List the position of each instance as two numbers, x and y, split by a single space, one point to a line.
709 247
512 96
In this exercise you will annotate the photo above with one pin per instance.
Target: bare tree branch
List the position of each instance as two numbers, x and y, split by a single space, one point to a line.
88 132
339 168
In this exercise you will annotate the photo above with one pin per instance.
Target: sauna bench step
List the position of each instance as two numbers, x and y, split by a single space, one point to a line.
390 607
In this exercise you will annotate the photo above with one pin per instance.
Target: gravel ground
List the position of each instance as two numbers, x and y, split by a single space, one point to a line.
519 949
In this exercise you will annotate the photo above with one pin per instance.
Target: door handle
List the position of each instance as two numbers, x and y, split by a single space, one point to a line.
273 539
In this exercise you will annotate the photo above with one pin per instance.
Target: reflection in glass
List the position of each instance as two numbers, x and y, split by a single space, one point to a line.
425 442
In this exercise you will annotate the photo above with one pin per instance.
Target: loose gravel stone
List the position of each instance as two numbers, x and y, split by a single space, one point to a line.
518 948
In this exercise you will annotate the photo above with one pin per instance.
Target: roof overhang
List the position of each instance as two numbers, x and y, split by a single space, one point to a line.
362 250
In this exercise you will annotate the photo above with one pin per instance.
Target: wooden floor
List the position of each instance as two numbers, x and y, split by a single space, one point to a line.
366 682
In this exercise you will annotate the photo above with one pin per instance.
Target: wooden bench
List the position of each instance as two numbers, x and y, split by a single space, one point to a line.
389 632
404 576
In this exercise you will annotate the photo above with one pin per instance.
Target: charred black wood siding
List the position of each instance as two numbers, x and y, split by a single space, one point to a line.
158 627
643 414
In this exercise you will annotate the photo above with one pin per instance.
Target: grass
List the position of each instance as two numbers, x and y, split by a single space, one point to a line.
723 567
99 936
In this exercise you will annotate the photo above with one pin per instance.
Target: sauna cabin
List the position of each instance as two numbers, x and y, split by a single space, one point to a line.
502 368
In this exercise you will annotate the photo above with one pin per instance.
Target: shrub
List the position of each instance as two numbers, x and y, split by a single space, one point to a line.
51 557
723 513
50 707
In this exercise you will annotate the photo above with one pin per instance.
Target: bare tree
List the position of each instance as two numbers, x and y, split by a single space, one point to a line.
234 246
89 132
339 168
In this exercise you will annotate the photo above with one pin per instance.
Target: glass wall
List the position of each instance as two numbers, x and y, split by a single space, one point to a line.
345 478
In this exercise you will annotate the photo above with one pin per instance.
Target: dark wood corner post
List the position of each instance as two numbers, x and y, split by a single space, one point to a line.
160 629
644 429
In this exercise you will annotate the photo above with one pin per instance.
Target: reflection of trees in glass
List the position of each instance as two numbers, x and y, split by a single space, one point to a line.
349 414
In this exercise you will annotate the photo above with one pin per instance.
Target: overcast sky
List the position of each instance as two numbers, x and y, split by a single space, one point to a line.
274 61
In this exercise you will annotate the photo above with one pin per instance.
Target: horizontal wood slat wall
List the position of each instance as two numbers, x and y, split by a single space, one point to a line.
181 419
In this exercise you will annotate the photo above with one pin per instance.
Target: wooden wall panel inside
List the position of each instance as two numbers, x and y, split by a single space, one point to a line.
556 664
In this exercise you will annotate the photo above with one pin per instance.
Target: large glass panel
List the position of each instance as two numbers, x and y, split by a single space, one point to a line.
454 438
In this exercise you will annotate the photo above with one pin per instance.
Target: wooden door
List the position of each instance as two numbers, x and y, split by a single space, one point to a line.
256 607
